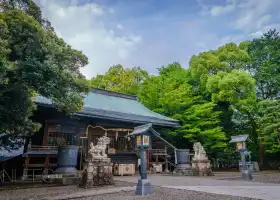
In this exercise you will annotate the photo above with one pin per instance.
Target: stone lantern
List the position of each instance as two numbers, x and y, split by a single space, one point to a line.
143 143
240 141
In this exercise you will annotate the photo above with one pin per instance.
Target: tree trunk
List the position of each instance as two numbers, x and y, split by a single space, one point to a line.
261 153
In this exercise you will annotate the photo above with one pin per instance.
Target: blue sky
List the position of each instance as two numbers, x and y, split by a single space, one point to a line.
152 33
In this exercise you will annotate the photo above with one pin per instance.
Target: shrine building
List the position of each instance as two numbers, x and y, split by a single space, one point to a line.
104 113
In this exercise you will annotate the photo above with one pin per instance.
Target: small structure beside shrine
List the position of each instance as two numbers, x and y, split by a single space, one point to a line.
201 165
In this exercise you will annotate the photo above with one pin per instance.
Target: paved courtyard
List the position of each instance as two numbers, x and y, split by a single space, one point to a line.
267 191
164 187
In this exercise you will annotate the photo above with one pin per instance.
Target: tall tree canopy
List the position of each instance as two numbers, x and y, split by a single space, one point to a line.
265 68
34 61
119 79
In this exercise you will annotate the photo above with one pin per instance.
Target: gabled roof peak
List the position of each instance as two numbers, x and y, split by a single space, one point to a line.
114 94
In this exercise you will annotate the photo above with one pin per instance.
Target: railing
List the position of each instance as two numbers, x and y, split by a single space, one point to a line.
158 152
41 148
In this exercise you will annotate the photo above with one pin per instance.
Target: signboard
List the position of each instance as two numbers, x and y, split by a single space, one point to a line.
146 140
138 140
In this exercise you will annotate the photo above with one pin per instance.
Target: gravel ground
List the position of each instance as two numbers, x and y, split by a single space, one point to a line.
42 192
268 178
263 178
165 194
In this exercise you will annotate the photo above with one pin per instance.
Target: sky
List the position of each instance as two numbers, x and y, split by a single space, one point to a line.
153 33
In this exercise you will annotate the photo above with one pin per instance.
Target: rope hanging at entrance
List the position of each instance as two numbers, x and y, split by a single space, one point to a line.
109 129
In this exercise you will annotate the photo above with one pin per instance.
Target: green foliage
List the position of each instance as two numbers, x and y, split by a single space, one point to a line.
265 68
235 87
269 124
34 61
171 94
119 79
225 59
201 123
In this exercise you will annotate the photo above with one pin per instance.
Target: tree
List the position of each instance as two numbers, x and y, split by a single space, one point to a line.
265 68
34 61
220 76
171 94
226 58
119 79
269 124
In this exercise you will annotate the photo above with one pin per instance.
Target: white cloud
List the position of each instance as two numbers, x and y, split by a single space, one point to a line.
120 35
84 28
119 26
255 14
249 16
265 29
220 10
216 10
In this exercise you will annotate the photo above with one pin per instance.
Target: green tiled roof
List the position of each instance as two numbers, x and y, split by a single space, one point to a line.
116 106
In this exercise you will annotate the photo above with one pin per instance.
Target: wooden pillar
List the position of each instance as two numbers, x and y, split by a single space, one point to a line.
47 162
166 164
46 132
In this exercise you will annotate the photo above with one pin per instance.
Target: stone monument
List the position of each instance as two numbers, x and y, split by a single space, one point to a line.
98 167
201 165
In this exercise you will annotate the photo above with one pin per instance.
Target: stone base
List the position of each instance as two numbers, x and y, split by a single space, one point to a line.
73 179
66 170
144 187
202 168
98 172
183 170
247 175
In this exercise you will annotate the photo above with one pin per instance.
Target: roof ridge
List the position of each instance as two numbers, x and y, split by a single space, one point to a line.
114 94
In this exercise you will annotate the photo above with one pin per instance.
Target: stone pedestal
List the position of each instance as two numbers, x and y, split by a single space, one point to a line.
201 167
246 174
183 170
144 187
97 172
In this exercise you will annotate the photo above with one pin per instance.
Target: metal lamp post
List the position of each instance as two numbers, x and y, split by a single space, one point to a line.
240 142
143 143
